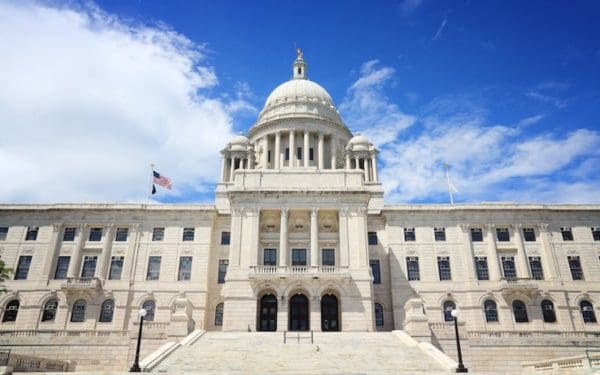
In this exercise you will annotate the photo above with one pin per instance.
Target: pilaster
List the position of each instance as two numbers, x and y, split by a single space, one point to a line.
522 264
283 237
493 262
314 237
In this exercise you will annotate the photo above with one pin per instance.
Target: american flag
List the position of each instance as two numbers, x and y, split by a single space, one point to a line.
161 180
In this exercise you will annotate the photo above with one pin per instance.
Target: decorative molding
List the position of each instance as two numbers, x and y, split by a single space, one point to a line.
56 227
543 227
465 227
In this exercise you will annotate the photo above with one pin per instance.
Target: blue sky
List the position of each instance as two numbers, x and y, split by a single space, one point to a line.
506 92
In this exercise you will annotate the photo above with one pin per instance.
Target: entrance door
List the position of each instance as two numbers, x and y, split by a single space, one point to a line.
268 313
299 313
329 313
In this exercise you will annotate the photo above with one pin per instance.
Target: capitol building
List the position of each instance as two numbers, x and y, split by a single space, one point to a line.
300 240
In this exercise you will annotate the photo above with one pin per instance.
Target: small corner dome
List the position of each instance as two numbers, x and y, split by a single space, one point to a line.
239 140
359 139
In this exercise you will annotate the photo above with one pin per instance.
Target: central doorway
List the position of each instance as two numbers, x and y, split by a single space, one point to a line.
299 316
329 313
267 320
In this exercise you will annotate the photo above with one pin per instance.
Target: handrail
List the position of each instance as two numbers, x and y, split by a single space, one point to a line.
589 358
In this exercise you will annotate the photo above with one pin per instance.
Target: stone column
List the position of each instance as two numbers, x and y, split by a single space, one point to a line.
277 159
106 251
76 254
283 237
493 261
306 151
522 263
133 250
231 168
374 163
469 263
356 163
52 256
265 156
320 151
548 258
333 149
347 161
343 243
367 170
292 142
223 167
251 161
314 237
315 313
282 313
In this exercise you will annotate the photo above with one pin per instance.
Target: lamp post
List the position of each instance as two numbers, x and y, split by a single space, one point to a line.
136 365
461 367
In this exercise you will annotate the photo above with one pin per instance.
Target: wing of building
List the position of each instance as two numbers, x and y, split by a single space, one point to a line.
299 238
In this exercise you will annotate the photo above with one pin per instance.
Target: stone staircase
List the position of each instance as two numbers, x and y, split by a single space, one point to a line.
330 353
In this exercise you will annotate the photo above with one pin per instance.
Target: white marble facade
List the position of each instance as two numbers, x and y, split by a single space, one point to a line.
307 243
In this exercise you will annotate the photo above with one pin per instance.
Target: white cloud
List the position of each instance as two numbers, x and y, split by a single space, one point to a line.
368 110
527 121
87 101
440 29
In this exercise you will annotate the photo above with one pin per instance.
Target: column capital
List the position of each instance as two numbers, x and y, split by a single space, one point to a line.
57 226
314 211
543 227
344 211
465 227
517 227
285 211
490 227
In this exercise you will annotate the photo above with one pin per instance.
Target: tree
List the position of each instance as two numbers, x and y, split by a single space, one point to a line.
4 274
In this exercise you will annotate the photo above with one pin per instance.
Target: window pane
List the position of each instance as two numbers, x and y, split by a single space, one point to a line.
409 234
535 264
185 268
222 270
587 312
69 234
158 234
444 268
502 234
375 269
372 238
548 311
520 312
508 267
219 315
32 233
62 267
78 312
153 268
188 234
440 234
379 315
225 238
476 235
116 268
3 233
595 234
23 267
106 311
448 307
311 154
567 234
412 267
121 235
299 153
10 311
575 266
529 234
482 268
49 313
298 257
328 257
89 266
491 311
270 257
150 307
95 234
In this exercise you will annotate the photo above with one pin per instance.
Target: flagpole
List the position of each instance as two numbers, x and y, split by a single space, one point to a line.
449 184
150 184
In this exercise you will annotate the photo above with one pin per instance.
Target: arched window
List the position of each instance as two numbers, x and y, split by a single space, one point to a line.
10 311
520 312
149 306
379 315
49 312
107 310
78 313
587 312
491 311
448 307
548 311
219 314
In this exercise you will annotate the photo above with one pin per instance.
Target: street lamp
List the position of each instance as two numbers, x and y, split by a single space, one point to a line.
461 367
136 365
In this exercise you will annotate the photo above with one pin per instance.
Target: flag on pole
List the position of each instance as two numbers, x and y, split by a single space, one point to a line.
161 181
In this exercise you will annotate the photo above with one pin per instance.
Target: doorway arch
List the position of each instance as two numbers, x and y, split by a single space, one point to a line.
330 321
299 313
267 318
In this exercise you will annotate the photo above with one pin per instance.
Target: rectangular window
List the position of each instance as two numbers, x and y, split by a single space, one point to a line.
481 267
188 234
409 234
95 234
32 233
269 156
185 268
476 235
372 238
23 267
595 233
69 234
412 268
529 234
223 263
3 233
444 268
508 267
287 153
567 234
299 153
89 266
535 265
376 271
311 154
298 257
502 235
153 272
158 234
225 238
328 257
270 257
122 234
62 267
575 266
116 268
440 234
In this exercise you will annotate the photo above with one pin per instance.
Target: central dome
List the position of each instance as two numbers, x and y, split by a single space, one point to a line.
299 90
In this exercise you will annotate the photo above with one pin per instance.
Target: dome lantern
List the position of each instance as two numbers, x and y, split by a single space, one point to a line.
299 65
